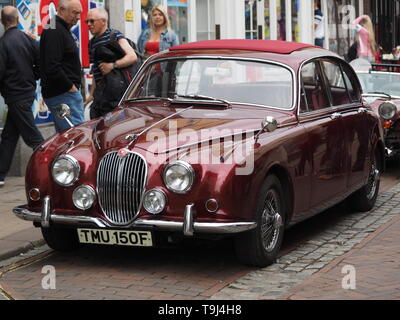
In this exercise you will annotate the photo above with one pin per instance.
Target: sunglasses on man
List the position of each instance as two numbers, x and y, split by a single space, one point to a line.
91 21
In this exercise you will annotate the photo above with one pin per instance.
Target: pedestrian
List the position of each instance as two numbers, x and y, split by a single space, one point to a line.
60 66
111 56
319 29
19 70
366 45
159 36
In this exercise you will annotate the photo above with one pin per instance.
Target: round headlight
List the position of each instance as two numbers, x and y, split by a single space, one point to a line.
154 201
178 176
387 110
65 170
83 197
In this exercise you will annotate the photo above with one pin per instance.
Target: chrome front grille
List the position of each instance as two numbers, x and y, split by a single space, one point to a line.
121 181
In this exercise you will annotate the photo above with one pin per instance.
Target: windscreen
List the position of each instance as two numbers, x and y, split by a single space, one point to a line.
236 81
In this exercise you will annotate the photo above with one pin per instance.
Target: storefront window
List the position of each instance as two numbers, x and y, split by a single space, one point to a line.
267 20
205 20
341 14
251 19
281 16
295 21
178 15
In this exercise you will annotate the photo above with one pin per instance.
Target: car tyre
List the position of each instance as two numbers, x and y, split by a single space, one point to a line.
364 199
260 246
61 239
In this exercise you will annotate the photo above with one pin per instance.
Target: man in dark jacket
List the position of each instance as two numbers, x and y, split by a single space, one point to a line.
19 70
60 66
110 67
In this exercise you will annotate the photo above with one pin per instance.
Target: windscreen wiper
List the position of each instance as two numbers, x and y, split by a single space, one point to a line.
148 98
201 97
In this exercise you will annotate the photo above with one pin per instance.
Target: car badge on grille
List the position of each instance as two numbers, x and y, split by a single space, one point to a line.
122 152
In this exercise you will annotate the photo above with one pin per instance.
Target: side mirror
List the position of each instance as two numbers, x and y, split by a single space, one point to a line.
269 124
63 112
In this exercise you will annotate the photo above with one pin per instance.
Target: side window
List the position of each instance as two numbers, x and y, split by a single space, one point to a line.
313 95
351 83
337 86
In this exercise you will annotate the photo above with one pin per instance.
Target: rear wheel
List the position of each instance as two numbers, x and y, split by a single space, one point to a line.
260 247
364 199
61 239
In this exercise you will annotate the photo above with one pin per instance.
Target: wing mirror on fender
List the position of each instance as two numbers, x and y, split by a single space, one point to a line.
63 112
268 124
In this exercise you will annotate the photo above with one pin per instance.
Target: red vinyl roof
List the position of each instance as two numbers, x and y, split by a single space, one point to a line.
273 46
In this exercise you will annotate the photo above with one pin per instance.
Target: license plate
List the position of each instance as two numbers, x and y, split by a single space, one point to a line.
116 237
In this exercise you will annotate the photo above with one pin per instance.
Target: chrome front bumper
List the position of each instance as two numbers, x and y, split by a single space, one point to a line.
188 226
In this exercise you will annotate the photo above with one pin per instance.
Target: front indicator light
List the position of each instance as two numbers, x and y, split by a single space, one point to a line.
84 197
154 201
387 124
34 194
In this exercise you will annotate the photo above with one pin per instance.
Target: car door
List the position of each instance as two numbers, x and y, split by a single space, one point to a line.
326 136
345 97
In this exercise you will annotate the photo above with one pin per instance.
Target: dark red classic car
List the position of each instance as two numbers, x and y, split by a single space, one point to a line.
239 138
381 89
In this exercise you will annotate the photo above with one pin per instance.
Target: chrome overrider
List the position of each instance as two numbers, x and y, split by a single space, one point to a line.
188 226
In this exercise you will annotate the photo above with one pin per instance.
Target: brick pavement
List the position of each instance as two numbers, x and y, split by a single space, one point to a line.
365 240
376 262
299 270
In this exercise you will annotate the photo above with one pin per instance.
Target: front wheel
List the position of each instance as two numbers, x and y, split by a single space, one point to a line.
364 199
260 247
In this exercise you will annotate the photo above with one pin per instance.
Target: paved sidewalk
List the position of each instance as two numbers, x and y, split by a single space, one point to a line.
364 243
375 264
16 236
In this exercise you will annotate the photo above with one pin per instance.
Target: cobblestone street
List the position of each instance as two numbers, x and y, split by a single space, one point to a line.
212 272
350 229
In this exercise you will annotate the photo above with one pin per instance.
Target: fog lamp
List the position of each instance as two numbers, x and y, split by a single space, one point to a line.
83 197
154 201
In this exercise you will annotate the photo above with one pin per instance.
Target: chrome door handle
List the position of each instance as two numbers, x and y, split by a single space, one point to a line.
336 115
362 110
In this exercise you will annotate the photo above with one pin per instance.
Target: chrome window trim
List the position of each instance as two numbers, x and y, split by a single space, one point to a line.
299 114
258 60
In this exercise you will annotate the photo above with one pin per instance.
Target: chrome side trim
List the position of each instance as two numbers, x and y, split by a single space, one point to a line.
201 227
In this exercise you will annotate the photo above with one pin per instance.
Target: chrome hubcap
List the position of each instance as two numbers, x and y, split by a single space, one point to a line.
271 221
373 180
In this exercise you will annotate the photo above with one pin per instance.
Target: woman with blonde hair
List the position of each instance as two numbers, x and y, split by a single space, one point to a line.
366 45
159 36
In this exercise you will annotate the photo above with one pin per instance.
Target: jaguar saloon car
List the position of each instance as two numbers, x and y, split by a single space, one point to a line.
381 89
213 139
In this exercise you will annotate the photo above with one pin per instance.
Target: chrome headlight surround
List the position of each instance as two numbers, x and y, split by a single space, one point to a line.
71 168
179 176
83 197
387 110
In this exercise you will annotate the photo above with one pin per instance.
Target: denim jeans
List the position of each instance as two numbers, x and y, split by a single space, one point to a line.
74 101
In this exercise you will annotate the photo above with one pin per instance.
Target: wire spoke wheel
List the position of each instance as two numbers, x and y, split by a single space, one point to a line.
270 221
373 179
